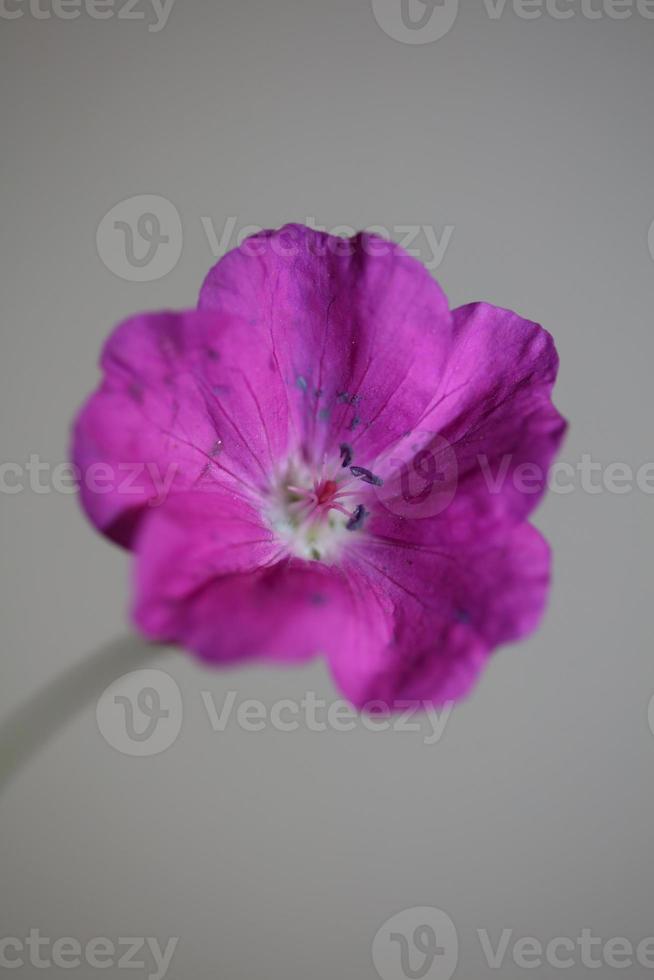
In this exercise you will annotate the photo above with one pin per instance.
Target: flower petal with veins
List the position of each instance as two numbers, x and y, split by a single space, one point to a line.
258 454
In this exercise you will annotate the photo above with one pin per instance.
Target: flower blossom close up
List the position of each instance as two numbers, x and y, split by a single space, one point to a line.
326 427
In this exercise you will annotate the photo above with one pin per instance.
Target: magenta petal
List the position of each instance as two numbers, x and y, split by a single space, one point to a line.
211 577
214 580
494 409
194 538
186 398
358 330
284 613
447 613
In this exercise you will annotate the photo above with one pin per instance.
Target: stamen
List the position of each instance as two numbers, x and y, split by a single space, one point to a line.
357 518
366 475
314 509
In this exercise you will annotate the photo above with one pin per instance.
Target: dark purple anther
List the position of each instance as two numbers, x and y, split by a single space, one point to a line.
357 518
366 475
346 454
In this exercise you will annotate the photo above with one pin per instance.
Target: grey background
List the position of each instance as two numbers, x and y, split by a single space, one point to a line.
279 855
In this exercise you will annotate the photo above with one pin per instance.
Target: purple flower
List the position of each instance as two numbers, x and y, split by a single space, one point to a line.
324 458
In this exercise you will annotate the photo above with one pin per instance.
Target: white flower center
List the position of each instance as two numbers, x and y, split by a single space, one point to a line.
315 512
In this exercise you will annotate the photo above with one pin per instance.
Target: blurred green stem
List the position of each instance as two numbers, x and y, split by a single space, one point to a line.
30 726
